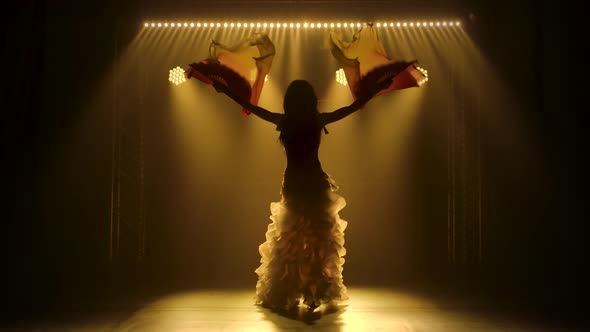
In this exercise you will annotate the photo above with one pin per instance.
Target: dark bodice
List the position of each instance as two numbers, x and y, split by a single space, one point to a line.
302 147
301 143
304 182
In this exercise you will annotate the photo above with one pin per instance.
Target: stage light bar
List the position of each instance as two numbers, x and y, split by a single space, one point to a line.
425 73
176 76
314 25
340 77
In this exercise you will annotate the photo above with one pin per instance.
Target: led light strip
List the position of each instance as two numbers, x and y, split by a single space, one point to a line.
299 25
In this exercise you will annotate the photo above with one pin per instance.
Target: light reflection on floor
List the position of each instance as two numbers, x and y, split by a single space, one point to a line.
368 310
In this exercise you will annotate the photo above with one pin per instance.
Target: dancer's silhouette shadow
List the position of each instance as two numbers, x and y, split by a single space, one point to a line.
328 317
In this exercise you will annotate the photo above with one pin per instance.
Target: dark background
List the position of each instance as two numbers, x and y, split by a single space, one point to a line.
55 230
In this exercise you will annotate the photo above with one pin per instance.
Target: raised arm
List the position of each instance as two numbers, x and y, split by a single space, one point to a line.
256 110
384 83
343 112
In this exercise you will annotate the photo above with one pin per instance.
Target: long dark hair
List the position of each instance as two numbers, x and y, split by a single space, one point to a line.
301 112
300 100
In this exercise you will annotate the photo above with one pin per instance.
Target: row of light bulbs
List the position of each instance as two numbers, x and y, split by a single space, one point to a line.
300 25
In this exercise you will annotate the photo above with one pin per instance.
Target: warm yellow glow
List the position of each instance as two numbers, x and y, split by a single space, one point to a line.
369 309
258 25
431 53
405 24
346 25
185 24
378 25
176 76
325 25
224 25
166 25
251 25
239 25
431 24
313 25
192 25
305 25
298 25
146 25
338 25
358 25
398 24
331 25
457 23
265 25
282 75
285 25
418 24
218 24
272 25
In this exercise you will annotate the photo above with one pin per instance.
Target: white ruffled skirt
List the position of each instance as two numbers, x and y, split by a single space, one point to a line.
302 257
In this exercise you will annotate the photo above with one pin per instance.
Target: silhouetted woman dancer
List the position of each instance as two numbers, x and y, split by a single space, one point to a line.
302 257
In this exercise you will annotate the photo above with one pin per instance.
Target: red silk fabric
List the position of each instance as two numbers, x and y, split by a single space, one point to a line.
364 62
242 67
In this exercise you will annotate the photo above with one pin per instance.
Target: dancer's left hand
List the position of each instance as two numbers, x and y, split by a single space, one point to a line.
219 87
384 83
